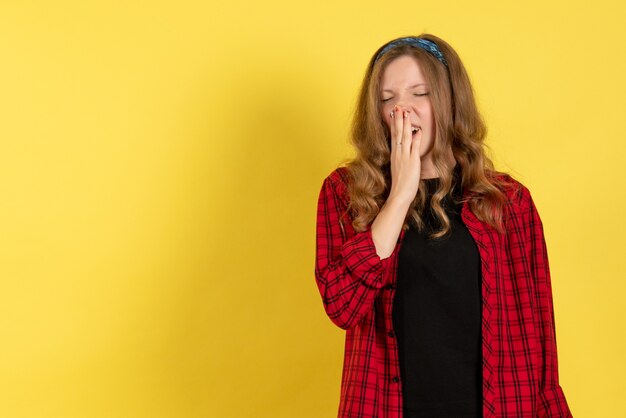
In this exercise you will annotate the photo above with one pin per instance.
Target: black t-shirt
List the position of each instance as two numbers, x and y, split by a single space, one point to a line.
437 318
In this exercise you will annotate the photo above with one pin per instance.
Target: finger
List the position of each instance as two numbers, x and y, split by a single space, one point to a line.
397 117
392 133
415 145
406 133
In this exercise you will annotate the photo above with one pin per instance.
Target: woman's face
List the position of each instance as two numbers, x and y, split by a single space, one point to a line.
404 85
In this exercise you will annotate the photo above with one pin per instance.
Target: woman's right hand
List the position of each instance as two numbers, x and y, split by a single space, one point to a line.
405 178
405 157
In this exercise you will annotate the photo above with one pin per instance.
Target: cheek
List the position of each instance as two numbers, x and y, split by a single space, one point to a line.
385 114
388 121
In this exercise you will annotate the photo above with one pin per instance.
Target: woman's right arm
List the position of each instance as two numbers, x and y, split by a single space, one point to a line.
388 224
348 271
405 174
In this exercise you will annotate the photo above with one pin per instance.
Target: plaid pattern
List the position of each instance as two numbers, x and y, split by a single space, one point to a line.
520 372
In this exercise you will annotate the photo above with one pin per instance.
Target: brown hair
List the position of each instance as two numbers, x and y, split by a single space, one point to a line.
458 124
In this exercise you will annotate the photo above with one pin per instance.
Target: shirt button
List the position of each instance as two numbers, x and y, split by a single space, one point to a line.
395 379
390 334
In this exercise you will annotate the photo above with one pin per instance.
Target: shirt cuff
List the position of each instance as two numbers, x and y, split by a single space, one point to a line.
361 259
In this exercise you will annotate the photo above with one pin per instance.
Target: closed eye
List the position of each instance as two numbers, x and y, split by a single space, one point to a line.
415 94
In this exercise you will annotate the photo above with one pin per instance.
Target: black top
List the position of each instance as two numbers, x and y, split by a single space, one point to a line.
437 318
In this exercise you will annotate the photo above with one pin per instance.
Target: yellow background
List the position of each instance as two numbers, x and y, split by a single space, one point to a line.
160 168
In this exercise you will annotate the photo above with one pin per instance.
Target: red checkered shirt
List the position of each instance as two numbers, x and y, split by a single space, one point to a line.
520 371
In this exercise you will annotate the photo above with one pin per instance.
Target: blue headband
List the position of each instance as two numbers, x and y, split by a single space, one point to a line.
425 44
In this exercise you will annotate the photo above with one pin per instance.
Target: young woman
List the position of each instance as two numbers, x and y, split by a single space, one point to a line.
433 262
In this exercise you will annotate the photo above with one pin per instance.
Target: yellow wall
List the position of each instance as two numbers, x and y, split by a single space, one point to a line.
160 164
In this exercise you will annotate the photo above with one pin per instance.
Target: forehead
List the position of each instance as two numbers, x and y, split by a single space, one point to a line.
402 71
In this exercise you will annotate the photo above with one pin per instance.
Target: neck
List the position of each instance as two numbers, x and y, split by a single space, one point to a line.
428 167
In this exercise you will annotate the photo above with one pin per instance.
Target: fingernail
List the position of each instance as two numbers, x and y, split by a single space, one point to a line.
405 114
391 114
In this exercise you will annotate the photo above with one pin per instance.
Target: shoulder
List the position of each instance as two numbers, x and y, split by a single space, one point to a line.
334 199
340 176
517 194
337 182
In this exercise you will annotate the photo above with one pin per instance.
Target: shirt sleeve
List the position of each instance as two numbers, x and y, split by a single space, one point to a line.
551 401
348 271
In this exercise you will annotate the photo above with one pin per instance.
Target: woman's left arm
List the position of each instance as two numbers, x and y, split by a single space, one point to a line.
551 401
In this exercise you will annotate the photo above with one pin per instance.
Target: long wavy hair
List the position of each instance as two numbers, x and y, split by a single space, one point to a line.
458 124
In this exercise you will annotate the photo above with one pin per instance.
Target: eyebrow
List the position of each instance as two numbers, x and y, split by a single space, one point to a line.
408 88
